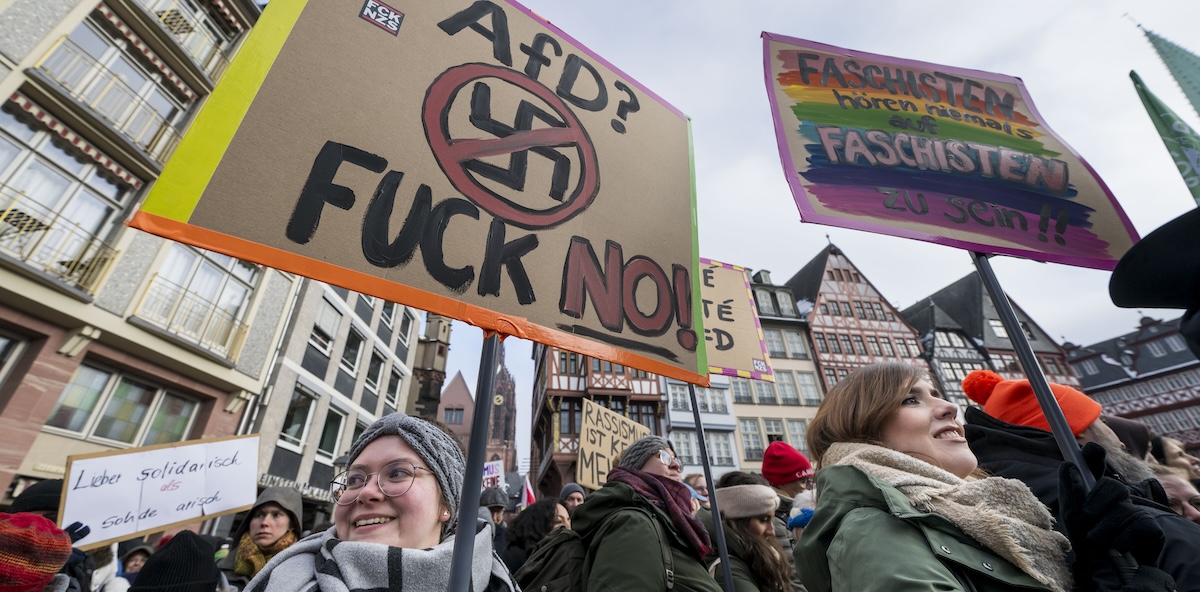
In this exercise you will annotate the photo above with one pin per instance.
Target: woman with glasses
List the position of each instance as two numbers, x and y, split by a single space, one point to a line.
639 528
394 520
272 526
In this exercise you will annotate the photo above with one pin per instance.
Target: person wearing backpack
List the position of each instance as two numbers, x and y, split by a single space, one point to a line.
530 527
639 531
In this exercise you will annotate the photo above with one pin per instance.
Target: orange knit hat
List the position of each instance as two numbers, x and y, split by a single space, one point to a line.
1013 401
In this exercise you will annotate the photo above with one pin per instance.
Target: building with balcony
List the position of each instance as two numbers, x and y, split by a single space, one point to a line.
852 324
111 338
562 380
1149 375
345 360
717 419
952 353
967 303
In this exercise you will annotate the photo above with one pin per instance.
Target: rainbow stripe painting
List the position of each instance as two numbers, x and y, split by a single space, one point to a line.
935 153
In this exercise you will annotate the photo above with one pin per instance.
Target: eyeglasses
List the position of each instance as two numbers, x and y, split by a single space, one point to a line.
670 461
394 479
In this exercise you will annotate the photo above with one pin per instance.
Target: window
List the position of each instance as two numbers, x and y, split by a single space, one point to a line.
775 347
859 348
808 388
886 345
901 349
873 345
10 349
570 416
795 344
833 308
765 392
822 347
387 314
1175 343
786 308
645 414
956 340
797 429
829 274
830 378
1156 348
773 428
847 346
752 446
710 400
1028 332
834 346
720 453
913 348
998 328
571 363
325 328
406 323
453 415
858 307
393 390
741 390
763 298
941 338
616 404
331 434
824 308
680 401
785 382
879 314
374 371
1052 366
352 353
686 450
1007 363
107 405
846 309
838 273
295 421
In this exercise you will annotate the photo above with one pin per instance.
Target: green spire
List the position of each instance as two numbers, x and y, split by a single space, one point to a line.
1183 64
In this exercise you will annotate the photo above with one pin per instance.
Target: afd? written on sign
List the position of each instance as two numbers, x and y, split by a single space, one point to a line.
604 435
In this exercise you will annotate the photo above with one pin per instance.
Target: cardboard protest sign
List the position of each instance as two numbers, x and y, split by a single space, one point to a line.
732 331
935 153
466 158
604 436
127 493
493 474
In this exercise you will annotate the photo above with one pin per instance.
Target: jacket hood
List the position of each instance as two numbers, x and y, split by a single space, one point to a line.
287 498
1017 452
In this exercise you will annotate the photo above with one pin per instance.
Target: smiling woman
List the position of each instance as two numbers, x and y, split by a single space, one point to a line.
394 522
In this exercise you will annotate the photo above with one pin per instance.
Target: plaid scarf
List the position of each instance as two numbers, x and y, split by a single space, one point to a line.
251 558
672 497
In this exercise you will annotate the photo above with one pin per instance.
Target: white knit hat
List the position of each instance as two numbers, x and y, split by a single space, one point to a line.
745 501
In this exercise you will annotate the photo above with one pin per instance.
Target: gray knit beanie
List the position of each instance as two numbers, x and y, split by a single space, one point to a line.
570 488
441 454
639 452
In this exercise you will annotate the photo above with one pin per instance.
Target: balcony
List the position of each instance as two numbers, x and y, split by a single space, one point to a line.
51 243
191 318
111 98
194 33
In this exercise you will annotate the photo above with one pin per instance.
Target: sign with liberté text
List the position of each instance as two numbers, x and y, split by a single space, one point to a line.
733 332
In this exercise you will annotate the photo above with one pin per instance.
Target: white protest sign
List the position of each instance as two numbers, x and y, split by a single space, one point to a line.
121 494
493 474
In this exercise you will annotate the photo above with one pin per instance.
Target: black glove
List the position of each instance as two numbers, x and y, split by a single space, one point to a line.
1116 543
77 530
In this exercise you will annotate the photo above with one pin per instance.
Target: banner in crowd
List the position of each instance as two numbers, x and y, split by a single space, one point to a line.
1181 140
946 155
733 333
465 158
493 474
123 494
603 436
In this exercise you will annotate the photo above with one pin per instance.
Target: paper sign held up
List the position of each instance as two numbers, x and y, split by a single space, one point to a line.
466 158
121 495
493 474
603 436
733 333
935 153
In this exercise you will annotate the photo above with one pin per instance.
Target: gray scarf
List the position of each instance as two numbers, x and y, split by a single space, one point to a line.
322 562
1002 514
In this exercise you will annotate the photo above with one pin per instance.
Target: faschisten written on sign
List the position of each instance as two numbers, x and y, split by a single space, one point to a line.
120 495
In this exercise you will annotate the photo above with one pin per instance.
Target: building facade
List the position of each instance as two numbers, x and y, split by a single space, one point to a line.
716 417
1149 375
111 338
951 352
457 408
502 420
562 380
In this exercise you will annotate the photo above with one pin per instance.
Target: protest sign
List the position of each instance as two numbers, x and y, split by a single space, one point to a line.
732 331
493 474
935 153
549 195
604 435
127 493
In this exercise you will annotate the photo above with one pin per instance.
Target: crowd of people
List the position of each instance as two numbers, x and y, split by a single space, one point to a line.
905 497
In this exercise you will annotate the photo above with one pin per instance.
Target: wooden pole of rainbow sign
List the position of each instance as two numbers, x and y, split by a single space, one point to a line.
952 156
459 172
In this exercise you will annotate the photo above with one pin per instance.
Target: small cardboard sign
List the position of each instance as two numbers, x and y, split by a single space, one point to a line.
123 494
493 474
603 436
465 158
732 331
934 153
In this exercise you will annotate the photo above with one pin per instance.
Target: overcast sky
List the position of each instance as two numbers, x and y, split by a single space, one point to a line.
705 58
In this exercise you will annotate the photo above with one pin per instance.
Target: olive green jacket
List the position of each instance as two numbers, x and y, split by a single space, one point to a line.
866 536
624 552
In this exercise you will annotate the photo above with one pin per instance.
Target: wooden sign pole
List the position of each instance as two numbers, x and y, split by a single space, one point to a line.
718 527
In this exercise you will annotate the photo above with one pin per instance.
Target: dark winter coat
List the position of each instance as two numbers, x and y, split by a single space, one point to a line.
1032 456
866 536
624 552
289 499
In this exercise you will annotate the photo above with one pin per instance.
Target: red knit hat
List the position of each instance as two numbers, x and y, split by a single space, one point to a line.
1013 401
32 550
783 464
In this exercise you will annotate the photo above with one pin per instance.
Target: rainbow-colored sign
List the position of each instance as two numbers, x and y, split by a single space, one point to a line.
946 155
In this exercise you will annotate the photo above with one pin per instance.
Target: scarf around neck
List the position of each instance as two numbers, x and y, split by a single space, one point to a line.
251 558
672 497
322 562
1001 514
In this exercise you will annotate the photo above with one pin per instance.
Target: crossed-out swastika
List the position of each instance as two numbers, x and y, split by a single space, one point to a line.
459 158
